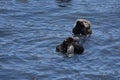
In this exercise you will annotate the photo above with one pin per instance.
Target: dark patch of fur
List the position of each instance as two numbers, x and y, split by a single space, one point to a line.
66 43
82 29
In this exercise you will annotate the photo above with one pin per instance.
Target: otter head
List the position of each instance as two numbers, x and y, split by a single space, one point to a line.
83 26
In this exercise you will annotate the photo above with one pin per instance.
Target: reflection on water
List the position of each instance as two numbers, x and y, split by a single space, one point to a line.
31 29
63 3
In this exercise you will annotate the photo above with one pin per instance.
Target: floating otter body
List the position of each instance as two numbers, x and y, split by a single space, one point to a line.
70 47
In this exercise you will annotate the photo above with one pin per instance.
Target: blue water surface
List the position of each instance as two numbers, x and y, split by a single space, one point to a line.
31 29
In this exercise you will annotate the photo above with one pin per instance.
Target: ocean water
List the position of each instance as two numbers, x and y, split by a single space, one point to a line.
31 29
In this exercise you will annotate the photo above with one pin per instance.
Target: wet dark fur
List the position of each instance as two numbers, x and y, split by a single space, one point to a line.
82 27
78 49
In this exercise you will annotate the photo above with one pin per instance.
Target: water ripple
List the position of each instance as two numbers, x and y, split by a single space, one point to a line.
30 31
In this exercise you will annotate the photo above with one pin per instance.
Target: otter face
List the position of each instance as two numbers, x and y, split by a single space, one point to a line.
82 27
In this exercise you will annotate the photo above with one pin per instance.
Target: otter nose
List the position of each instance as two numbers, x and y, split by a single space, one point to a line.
81 22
